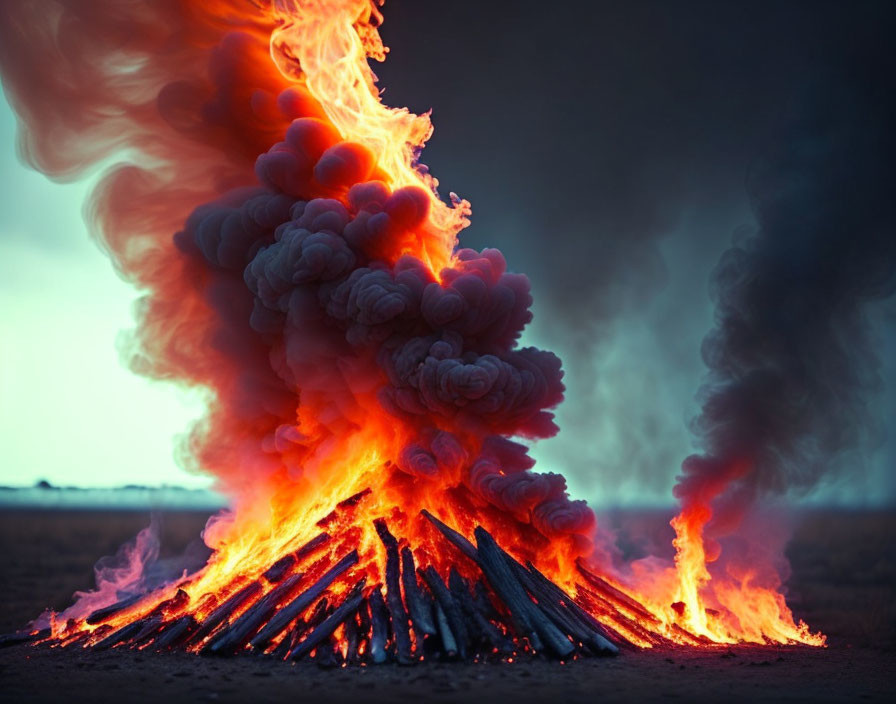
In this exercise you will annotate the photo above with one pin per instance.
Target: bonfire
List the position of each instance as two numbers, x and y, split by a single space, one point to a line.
369 403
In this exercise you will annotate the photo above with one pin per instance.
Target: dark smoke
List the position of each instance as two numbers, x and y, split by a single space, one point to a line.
792 364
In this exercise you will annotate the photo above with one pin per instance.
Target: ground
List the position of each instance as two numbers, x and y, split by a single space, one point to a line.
843 583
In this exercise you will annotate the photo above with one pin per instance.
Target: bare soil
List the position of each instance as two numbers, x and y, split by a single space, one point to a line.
843 583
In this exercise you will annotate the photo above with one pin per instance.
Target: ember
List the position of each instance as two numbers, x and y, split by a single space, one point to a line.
350 349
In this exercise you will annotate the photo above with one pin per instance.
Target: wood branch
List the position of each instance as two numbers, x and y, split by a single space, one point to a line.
449 608
348 606
483 629
613 594
553 608
598 604
514 596
577 612
175 632
327 655
225 610
455 538
353 637
123 634
107 612
248 624
449 643
286 615
399 616
421 613
484 602
379 626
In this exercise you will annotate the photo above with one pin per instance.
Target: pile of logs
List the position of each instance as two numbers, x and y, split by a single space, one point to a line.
293 611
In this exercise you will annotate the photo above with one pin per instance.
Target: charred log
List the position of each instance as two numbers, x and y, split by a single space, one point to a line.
379 626
247 625
349 606
449 608
399 616
282 618
420 611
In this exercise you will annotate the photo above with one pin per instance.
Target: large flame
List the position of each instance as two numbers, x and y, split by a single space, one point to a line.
321 49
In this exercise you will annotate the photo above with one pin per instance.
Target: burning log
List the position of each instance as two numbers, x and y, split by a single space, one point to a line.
107 612
420 611
449 644
281 567
349 605
617 596
455 538
176 632
449 608
379 626
353 637
399 617
483 629
560 616
282 618
576 611
536 626
224 611
253 619
125 633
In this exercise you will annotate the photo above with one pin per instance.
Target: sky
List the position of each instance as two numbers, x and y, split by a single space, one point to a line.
604 149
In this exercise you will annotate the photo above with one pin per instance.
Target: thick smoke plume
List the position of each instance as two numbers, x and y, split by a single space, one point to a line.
792 366
279 270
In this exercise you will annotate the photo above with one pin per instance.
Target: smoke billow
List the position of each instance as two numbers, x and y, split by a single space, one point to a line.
279 270
792 363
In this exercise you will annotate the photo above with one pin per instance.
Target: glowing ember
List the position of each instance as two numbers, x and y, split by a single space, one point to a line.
351 350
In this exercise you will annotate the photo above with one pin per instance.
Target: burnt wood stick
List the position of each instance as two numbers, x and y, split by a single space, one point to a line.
364 620
510 593
379 626
515 598
153 624
353 636
613 594
577 611
393 595
320 611
175 632
223 612
278 570
449 643
455 538
601 605
460 592
320 634
281 567
327 654
561 617
478 624
421 614
450 609
282 618
102 614
123 634
248 624
10 639
484 602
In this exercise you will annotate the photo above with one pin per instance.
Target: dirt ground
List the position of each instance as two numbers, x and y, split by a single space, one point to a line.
843 583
